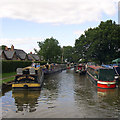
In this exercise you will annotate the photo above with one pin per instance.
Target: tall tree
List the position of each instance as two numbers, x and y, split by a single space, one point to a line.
50 50
99 44
68 52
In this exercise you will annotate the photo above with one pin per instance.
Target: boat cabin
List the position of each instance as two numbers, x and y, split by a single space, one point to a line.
29 77
101 74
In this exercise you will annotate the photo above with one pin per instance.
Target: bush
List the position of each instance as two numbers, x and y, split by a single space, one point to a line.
11 66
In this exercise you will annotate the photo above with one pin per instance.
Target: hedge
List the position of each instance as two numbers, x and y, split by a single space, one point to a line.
11 66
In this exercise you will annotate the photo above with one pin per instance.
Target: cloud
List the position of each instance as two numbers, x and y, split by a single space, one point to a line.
79 32
57 11
27 44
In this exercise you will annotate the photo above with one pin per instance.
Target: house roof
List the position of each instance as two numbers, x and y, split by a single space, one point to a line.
29 57
35 56
20 53
9 54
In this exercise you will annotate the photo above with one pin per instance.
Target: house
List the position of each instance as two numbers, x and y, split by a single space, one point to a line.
10 55
13 54
30 58
17 54
7 55
34 57
21 55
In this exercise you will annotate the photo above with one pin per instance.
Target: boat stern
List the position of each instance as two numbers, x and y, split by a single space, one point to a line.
31 86
106 84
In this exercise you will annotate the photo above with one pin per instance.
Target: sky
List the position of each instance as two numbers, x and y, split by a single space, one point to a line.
23 23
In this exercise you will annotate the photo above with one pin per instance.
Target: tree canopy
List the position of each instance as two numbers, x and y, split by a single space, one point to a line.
68 52
2 47
99 44
50 50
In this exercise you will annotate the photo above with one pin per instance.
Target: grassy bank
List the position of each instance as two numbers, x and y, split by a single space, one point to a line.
8 80
4 75
7 77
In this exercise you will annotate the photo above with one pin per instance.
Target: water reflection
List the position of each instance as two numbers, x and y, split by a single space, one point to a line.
111 97
96 102
6 90
51 86
26 100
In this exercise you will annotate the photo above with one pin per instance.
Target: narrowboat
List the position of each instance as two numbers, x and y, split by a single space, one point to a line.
68 66
76 68
80 69
116 67
116 71
28 78
102 77
51 68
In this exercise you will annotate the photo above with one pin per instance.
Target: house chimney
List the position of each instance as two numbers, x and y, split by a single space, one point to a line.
12 48
6 48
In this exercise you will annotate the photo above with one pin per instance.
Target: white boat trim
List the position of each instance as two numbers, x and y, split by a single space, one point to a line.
102 82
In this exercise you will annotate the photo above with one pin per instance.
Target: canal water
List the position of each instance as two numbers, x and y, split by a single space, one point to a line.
63 95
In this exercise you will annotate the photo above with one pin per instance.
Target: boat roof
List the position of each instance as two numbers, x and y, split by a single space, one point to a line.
95 67
31 67
107 66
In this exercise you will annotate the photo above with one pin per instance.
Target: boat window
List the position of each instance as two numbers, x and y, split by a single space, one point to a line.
19 71
26 71
32 71
106 74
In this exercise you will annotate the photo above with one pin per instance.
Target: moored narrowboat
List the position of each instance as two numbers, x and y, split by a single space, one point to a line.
116 71
76 68
116 67
81 69
102 77
68 65
28 78
51 68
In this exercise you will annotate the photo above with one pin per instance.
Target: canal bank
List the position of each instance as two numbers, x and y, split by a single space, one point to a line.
63 95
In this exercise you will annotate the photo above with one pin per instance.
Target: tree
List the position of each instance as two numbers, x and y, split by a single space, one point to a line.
3 47
99 44
50 50
68 52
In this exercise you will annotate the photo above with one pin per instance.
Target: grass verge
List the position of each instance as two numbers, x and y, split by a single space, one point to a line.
4 75
8 80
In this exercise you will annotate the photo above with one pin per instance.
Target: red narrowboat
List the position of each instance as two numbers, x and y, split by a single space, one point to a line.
102 77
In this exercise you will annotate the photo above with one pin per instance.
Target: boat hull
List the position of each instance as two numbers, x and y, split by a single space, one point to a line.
48 72
68 67
103 84
22 86
77 71
106 85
